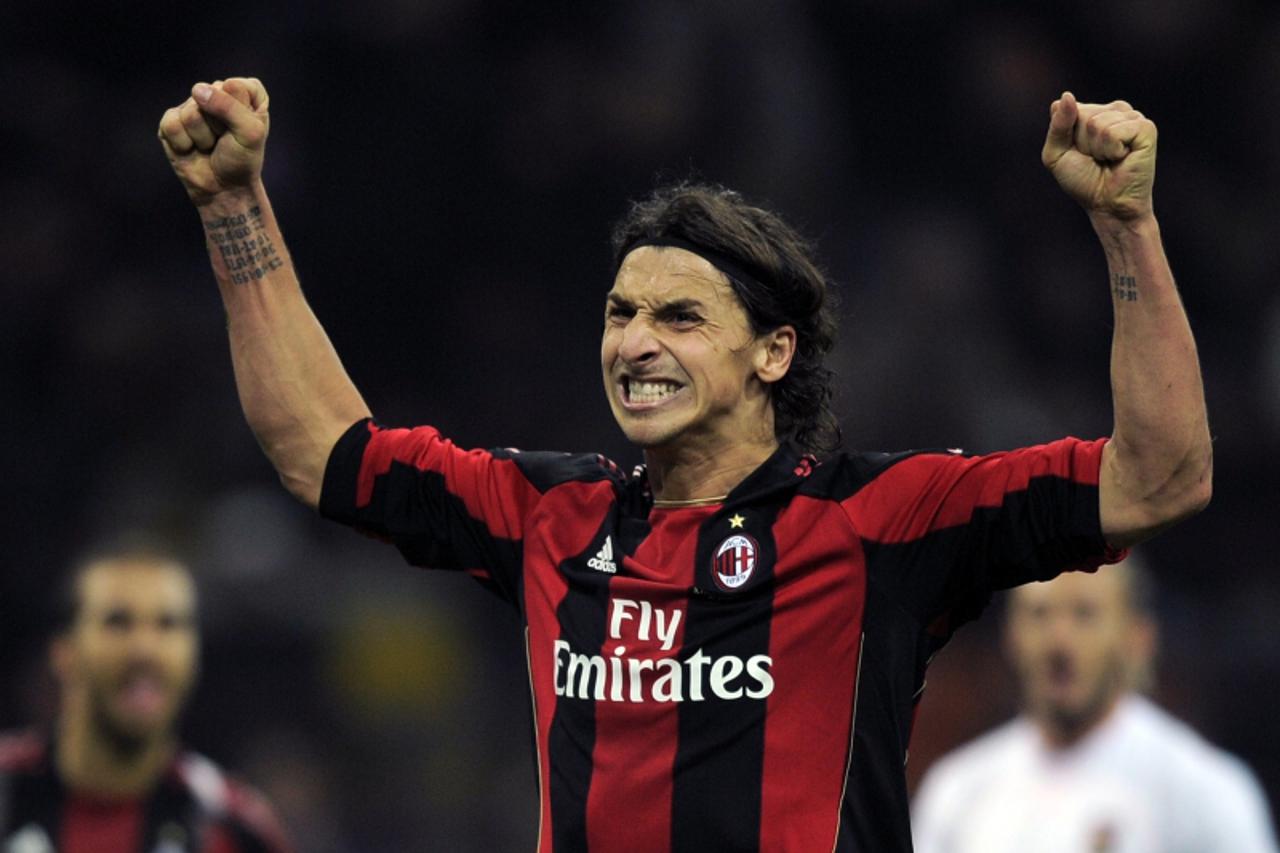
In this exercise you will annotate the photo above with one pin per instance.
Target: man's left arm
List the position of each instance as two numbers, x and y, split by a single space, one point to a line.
1157 468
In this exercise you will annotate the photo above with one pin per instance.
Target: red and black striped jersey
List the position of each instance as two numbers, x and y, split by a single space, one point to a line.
193 808
732 677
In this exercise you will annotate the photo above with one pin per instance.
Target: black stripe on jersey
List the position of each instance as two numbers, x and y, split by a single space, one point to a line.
630 532
6 783
455 539
873 816
172 816
723 739
582 615
246 840
35 798
546 469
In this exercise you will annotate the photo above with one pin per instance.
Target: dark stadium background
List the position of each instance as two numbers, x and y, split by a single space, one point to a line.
446 174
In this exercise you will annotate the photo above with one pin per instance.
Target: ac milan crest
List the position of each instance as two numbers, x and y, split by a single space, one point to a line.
734 561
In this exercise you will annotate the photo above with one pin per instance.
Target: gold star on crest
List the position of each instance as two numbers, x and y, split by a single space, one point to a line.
736 522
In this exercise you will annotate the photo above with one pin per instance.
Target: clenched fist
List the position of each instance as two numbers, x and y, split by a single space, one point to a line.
216 138
1103 155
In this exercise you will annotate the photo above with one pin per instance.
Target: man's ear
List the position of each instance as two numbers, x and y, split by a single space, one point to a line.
1141 645
773 359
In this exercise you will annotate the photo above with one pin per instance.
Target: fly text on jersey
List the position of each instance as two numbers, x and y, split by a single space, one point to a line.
618 677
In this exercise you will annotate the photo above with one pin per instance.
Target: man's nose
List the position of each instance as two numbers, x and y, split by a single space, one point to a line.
146 640
639 343
1062 632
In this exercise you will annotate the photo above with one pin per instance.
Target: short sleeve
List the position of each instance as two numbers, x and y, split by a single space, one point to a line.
442 506
944 530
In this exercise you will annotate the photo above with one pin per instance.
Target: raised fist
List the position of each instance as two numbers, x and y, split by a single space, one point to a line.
1102 155
216 138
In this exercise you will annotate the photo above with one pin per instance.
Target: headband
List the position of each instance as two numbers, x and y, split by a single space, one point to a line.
727 264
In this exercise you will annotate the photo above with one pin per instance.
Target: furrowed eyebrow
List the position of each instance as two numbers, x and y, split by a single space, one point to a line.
662 309
679 305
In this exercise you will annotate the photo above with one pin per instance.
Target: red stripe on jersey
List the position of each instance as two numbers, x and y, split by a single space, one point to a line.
250 810
218 840
814 642
91 825
21 752
543 593
493 490
632 774
947 488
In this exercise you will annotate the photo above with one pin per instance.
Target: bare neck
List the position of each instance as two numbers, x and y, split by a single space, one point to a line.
92 761
690 474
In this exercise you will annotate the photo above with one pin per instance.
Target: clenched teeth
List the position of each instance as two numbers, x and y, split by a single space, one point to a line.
650 392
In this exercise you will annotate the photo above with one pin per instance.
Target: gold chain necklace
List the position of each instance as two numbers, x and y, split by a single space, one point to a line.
657 504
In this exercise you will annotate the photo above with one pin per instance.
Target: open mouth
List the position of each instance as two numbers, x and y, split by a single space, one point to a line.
1061 672
144 694
646 393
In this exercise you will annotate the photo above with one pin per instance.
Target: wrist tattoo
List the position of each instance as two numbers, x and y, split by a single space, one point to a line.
1124 288
245 246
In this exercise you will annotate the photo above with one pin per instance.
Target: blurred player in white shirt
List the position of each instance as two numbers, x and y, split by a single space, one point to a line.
1090 766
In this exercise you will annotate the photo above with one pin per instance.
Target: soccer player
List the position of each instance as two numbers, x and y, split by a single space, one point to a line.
1090 764
725 647
112 777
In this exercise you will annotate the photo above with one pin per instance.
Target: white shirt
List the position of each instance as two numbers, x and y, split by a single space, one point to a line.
1141 782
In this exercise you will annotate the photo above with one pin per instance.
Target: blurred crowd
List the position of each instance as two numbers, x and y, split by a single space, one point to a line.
446 175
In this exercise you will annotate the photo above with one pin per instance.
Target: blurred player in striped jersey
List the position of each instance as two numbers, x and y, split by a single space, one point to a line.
111 777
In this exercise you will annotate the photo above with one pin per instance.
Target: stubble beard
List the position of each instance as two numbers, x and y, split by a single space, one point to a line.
1069 723
125 741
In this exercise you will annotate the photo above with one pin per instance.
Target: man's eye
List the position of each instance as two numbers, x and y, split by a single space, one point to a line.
617 314
1086 615
118 620
1036 614
685 318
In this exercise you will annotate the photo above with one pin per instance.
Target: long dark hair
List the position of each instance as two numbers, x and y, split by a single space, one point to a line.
788 289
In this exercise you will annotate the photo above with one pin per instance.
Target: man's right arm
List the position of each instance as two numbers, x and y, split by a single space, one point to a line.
296 394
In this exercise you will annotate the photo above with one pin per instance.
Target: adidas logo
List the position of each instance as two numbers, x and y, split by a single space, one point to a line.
603 560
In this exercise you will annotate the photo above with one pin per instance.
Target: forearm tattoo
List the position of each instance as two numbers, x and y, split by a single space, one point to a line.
245 246
1124 288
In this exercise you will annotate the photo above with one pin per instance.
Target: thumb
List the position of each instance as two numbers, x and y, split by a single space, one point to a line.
245 126
1062 121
